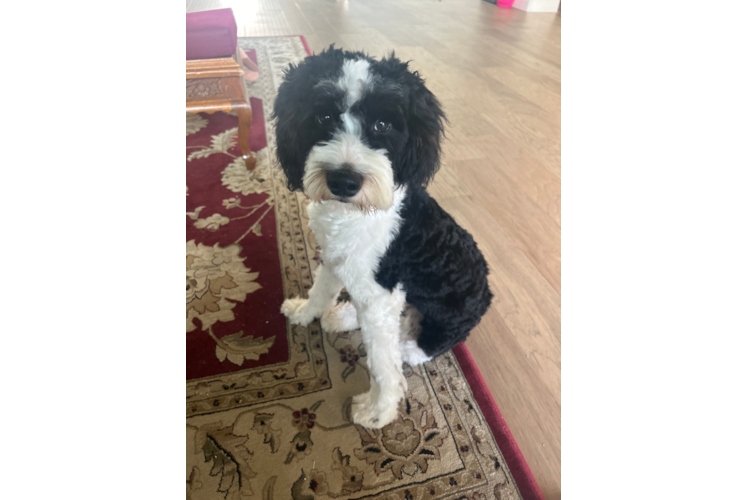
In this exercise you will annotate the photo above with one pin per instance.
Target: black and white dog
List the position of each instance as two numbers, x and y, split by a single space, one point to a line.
361 137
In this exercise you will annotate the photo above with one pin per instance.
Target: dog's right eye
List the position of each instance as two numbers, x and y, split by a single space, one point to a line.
324 120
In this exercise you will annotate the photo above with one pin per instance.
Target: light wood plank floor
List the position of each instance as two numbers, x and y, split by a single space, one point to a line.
498 73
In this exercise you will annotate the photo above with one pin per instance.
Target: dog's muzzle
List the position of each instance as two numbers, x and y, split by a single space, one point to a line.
344 182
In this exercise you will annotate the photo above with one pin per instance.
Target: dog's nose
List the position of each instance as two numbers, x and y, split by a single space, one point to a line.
344 182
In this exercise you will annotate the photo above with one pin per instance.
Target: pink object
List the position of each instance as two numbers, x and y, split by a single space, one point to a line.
211 33
249 63
507 4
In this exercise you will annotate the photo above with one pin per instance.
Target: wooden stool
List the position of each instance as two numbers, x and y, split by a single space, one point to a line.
217 85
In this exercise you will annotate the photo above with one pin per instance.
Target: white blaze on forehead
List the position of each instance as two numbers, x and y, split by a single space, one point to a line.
347 147
350 124
354 80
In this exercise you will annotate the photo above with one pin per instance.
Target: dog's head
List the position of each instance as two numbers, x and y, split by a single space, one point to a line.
353 129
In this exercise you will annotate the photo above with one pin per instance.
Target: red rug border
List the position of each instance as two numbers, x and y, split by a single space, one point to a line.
520 471
518 467
306 45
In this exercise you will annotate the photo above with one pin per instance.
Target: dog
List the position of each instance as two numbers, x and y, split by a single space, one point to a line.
362 138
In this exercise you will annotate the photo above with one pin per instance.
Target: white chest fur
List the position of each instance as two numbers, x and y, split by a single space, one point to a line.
353 242
352 245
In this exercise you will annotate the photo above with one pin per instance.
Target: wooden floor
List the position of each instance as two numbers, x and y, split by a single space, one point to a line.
498 73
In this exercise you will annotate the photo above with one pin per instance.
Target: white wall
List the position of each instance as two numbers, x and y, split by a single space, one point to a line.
537 5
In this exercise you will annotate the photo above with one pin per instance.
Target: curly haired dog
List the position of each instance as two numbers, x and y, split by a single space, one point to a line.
361 138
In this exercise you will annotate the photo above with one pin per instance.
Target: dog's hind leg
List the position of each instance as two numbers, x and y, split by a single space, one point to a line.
322 295
410 330
436 339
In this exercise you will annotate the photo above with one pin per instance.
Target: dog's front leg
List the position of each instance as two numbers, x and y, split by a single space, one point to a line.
380 328
322 296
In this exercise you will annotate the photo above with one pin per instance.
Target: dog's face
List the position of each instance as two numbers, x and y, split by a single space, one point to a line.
352 129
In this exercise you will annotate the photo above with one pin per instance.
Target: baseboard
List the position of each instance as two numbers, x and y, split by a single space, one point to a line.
537 5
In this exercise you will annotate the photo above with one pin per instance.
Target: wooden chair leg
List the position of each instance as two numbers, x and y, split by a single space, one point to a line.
244 112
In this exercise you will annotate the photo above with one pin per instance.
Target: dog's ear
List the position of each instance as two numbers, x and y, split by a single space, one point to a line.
294 114
425 121
287 130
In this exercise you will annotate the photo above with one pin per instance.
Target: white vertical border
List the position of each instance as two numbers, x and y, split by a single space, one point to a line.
568 354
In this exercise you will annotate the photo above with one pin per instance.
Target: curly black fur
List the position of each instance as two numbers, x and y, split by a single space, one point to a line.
442 271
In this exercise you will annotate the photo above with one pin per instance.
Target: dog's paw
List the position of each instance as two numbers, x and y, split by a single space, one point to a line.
412 354
297 311
340 318
371 415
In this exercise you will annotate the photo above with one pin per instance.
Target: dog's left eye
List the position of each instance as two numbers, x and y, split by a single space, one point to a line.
324 120
380 127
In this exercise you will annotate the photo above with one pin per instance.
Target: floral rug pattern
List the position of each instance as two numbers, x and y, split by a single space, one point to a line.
268 404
